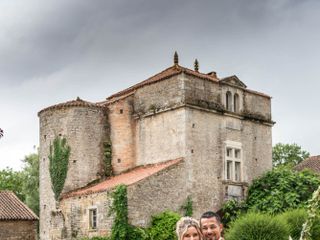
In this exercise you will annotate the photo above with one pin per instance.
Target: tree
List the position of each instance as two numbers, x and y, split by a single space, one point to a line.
281 189
31 181
25 183
288 155
13 181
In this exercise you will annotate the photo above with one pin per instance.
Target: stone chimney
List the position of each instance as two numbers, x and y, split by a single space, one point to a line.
213 74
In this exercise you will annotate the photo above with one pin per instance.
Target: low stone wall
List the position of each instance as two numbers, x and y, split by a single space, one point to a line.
18 230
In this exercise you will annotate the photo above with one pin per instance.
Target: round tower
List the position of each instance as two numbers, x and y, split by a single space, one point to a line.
84 128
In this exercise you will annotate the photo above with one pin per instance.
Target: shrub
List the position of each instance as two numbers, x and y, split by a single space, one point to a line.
163 226
96 238
257 226
295 218
137 233
232 209
281 189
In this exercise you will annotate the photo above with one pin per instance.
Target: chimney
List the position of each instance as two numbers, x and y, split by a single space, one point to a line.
213 74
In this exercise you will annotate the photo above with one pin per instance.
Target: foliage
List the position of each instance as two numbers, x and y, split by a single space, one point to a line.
119 207
137 233
31 181
232 209
313 209
295 218
188 207
281 189
163 226
96 238
107 147
257 226
13 181
59 159
288 154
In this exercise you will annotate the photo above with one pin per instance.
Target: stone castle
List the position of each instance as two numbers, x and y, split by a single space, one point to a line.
181 133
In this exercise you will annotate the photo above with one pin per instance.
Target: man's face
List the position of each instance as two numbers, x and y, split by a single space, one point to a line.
211 228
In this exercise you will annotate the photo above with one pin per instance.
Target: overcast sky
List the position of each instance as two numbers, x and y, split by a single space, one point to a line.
55 50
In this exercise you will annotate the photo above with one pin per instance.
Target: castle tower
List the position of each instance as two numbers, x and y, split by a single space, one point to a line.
85 128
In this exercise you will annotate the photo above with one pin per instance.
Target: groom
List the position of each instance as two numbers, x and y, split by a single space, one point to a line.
211 226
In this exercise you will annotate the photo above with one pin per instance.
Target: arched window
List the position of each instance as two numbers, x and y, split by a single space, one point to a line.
236 102
229 101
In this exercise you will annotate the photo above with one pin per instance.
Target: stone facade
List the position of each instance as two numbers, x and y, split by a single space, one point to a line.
18 230
221 129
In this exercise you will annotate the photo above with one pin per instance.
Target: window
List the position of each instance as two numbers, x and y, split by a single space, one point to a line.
233 163
93 218
229 101
236 102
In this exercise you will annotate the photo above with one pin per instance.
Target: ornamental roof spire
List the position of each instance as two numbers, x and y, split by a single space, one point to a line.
196 65
176 58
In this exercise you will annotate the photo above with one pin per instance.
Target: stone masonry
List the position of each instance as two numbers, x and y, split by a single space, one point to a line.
219 129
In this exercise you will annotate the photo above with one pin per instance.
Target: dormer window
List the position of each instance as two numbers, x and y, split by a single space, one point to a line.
229 101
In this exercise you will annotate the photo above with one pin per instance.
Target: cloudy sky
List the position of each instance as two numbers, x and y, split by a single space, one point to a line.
55 50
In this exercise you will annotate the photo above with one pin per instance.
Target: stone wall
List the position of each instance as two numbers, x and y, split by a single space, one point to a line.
208 134
122 134
200 92
18 230
258 106
76 216
160 137
165 190
161 95
85 130
204 149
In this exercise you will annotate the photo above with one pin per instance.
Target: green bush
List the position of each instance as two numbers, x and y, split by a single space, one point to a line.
281 189
96 238
232 209
257 226
294 219
163 226
137 233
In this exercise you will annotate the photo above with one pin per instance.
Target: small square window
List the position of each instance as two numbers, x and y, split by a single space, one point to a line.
93 218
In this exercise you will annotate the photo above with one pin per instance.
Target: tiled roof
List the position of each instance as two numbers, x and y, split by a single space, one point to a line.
73 103
170 72
312 163
165 74
11 208
126 178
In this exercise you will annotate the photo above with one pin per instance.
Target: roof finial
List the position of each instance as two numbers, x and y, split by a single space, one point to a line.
78 98
196 65
176 58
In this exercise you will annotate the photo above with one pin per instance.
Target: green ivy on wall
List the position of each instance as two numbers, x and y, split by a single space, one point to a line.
119 207
107 153
59 159
187 207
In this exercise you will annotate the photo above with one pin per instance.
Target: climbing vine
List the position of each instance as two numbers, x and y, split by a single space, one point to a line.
107 152
119 207
59 159
187 207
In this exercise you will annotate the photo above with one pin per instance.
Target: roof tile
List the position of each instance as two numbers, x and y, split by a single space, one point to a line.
312 163
73 103
126 178
11 208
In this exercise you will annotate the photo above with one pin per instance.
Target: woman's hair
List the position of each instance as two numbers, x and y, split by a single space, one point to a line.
184 223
